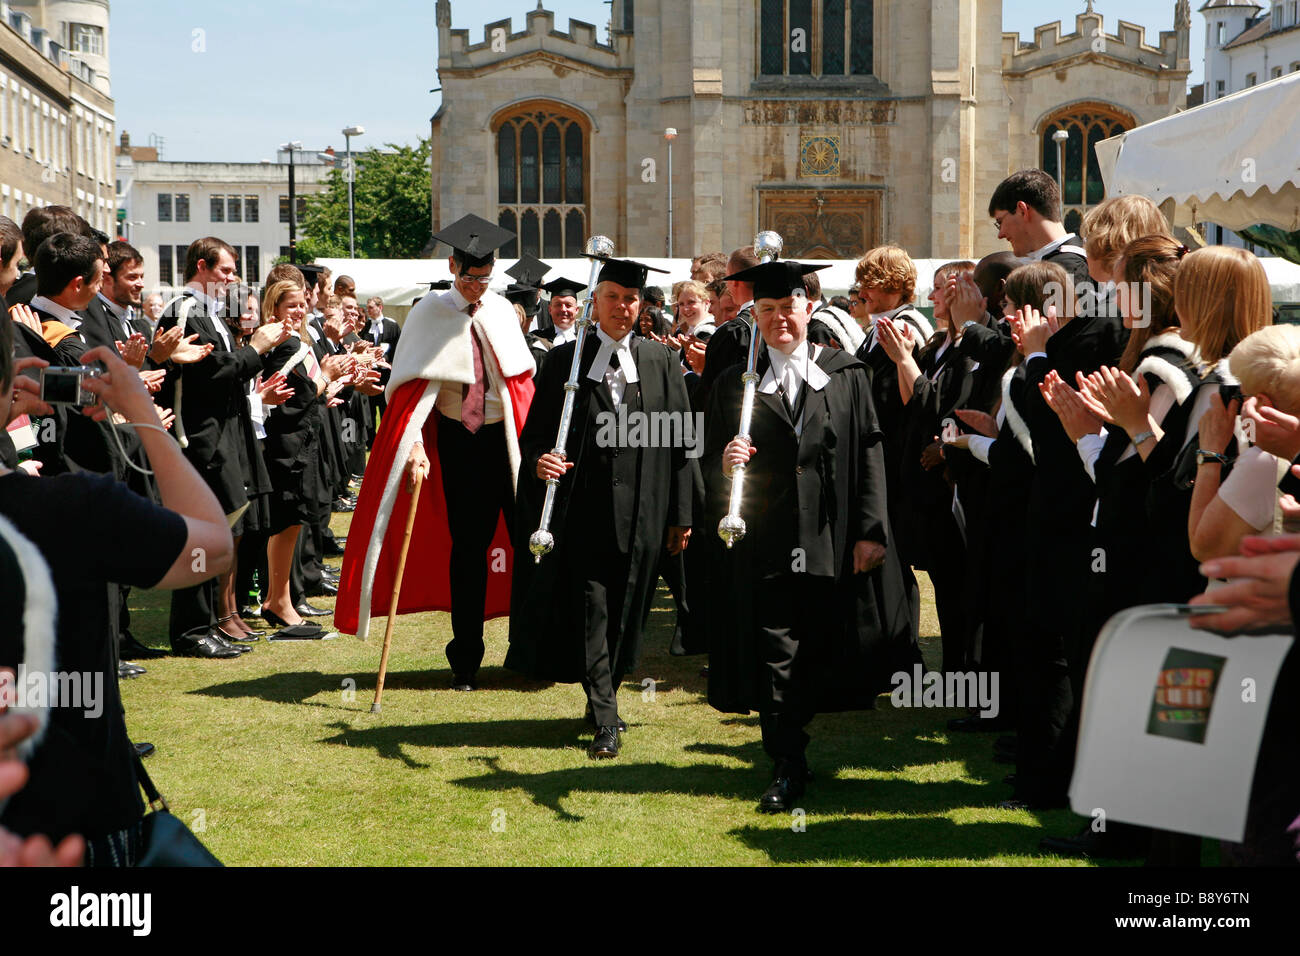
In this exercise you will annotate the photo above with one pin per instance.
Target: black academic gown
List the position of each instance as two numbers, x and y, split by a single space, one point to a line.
291 449
821 492
613 509
212 393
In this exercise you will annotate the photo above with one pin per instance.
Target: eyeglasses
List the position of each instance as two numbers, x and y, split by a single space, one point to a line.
480 280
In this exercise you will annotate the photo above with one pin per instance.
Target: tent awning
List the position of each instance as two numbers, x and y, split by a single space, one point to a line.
1234 161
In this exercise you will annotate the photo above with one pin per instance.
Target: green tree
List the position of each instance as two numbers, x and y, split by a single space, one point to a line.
391 202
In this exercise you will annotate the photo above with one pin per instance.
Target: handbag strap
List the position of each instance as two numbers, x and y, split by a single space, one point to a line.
146 784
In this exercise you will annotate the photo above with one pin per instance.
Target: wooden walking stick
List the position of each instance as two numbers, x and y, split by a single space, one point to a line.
397 589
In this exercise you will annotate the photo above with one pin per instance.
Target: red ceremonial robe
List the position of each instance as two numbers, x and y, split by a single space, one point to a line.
379 522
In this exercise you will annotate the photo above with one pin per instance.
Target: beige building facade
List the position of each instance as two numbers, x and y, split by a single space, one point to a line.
841 124
56 114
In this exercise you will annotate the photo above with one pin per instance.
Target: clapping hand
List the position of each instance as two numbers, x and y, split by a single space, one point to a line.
897 345
27 391
276 390
1077 418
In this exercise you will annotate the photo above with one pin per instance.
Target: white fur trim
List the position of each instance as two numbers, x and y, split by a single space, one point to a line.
844 326
39 635
436 341
392 485
1170 339
1018 426
1168 373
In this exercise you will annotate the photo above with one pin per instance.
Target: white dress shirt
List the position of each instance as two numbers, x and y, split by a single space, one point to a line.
792 372
451 393
614 364
61 312
565 335
212 309
122 315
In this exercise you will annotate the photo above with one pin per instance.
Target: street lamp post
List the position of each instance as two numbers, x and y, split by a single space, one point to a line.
1059 138
293 210
670 134
348 133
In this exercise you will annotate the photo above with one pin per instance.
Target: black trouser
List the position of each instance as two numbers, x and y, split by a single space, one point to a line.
603 600
193 607
477 487
946 567
792 623
251 574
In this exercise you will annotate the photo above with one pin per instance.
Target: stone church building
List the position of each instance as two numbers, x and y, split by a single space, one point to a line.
841 124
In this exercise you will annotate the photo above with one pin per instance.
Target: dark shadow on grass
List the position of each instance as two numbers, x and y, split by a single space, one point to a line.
391 740
885 841
296 687
832 796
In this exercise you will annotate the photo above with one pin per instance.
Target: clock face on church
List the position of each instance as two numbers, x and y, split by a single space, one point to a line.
819 156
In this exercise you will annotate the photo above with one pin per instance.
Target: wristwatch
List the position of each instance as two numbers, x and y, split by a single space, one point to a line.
1203 457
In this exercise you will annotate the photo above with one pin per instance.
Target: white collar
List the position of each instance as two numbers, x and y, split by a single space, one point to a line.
212 306
747 305
1051 247
459 300
802 361
65 315
377 323
609 349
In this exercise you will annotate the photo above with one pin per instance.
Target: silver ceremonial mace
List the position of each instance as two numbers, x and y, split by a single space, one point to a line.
598 248
732 526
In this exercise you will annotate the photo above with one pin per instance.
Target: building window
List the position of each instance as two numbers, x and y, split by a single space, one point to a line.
217 208
165 275
250 209
284 208
816 37
542 181
1219 89
1295 67
1277 71
86 38
252 265
1250 80
1083 186
284 252
1222 33
164 207
182 207
234 208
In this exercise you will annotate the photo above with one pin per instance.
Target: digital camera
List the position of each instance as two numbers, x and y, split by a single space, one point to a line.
65 386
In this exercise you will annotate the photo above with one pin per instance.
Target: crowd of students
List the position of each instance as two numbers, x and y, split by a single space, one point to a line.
1084 423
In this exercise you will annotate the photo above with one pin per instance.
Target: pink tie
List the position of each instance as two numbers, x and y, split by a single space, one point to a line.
471 405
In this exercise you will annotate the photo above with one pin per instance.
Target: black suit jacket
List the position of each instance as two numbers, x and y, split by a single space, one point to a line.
101 327
212 393
23 290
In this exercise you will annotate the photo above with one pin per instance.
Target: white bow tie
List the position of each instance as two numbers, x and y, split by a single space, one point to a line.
607 351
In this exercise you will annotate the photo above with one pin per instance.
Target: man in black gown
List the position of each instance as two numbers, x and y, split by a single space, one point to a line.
810 614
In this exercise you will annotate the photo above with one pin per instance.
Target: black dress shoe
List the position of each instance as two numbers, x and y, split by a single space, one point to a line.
462 682
144 749
252 612
205 645
129 649
126 671
343 506
324 589
333 549
310 610
604 746
1118 842
787 786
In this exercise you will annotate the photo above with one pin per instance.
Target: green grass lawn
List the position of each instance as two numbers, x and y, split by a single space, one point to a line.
276 759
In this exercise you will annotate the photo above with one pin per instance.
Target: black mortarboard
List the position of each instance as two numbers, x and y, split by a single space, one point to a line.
439 285
311 273
777 279
475 238
625 272
528 270
524 295
563 286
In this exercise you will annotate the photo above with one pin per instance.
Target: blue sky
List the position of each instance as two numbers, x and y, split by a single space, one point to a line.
213 79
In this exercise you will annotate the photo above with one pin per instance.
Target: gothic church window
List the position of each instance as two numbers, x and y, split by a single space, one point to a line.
1083 186
815 38
541 181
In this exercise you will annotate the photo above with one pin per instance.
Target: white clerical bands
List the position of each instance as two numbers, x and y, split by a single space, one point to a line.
625 362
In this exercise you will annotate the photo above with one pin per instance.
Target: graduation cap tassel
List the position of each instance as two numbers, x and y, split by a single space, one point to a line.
598 248
732 526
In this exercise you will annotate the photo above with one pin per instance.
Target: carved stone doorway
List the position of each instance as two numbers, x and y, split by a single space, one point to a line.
822 223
